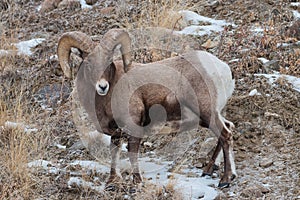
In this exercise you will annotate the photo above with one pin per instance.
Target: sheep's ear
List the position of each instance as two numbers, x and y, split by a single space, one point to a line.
83 54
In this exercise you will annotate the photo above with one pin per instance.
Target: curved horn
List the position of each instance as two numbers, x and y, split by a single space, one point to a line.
113 38
72 39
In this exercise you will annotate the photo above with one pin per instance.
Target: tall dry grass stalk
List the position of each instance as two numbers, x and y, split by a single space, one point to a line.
151 25
17 146
151 13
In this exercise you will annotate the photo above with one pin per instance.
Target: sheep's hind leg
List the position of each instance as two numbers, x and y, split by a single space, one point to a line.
133 151
114 178
212 166
229 165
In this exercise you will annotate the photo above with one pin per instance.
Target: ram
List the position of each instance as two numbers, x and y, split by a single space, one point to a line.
124 98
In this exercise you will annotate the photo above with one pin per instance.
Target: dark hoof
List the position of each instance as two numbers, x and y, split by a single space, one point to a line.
223 185
211 170
233 176
215 167
206 174
111 188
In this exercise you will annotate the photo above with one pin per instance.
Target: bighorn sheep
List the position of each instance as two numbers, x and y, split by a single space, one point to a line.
193 87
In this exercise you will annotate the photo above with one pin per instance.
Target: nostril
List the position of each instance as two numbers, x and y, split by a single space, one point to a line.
102 87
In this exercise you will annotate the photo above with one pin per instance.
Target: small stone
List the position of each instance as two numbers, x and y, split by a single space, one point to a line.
107 10
170 176
209 44
199 165
49 5
294 30
91 2
264 190
221 196
71 4
272 64
251 192
266 163
192 174
201 196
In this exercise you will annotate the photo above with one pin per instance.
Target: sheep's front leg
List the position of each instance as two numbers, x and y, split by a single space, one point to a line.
115 146
133 151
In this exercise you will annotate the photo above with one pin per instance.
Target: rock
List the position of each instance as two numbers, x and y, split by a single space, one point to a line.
256 191
201 195
91 2
221 196
107 10
49 5
192 175
199 165
294 30
264 190
209 44
213 4
266 163
50 96
72 4
271 65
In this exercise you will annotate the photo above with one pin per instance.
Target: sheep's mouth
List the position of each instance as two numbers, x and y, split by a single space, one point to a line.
102 87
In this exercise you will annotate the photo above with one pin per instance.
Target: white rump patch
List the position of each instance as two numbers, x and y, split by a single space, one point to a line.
220 73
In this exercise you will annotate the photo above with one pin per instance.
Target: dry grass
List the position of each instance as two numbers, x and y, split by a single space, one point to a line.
153 13
18 147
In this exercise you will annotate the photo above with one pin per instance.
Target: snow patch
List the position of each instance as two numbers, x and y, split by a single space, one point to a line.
156 171
25 46
296 14
40 164
263 60
254 92
295 81
124 147
188 181
38 8
234 60
193 20
84 5
59 146
295 4
77 181
26 128
93 165
284 44
257 30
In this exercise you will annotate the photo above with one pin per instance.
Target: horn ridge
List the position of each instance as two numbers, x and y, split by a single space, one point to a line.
73 39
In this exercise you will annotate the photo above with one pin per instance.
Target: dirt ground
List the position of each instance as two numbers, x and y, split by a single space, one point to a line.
267 133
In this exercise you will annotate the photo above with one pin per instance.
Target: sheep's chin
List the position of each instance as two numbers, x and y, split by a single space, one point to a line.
102 93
